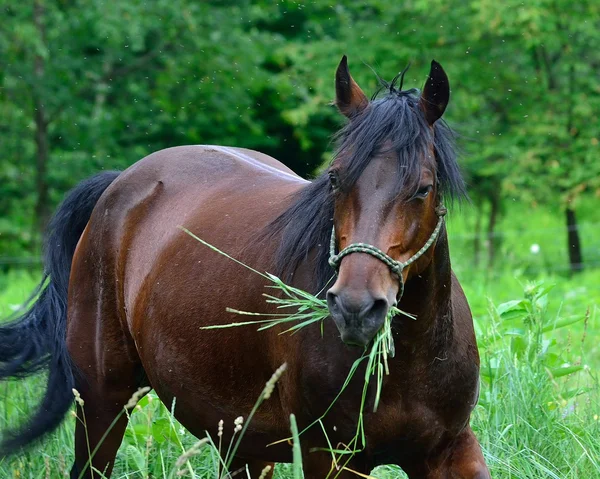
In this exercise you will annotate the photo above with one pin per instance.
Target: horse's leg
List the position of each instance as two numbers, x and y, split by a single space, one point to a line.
99 428
250 468
466 460
108 372
461 460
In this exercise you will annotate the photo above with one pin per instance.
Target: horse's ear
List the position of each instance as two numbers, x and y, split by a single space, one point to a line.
436 93
349 98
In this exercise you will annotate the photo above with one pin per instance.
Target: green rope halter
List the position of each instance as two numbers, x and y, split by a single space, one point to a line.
395 266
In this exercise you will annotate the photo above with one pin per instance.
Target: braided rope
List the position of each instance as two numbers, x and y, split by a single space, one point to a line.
395 266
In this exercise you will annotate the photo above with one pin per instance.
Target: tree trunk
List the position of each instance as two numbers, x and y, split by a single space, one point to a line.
42 208
573 243
491 231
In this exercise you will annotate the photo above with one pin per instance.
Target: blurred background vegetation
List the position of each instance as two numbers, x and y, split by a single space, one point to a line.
90 85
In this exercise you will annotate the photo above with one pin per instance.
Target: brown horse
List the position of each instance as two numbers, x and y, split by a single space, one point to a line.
139 291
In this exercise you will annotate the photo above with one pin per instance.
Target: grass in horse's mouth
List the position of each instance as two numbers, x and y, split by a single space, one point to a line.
300 309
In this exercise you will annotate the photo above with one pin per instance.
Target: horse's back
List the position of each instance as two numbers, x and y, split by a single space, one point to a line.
206 163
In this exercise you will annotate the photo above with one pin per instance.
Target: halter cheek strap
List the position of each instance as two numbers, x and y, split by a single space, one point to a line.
395 266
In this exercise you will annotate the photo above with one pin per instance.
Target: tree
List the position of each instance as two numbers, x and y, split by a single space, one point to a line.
558 138
86 87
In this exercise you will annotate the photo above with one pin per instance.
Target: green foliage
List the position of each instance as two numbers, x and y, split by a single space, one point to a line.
15 287
521 327
537 417
538 411
114 82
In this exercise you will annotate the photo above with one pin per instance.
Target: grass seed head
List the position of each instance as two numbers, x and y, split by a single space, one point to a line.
270 386
192 451
238 424
47 466
62 465
136 396
264 472
78 398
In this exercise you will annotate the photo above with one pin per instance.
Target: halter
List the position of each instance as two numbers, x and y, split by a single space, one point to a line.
395 266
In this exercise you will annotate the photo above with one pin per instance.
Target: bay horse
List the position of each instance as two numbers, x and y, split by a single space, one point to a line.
126 293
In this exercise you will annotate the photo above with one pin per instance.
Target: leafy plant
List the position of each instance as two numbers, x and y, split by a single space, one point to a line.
535 388
523 328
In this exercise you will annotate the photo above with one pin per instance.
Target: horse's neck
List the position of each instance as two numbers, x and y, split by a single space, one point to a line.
429 297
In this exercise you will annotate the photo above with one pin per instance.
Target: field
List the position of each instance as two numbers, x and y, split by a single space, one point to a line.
538 414
90 86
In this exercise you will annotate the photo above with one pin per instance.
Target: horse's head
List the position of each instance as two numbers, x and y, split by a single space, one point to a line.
386 183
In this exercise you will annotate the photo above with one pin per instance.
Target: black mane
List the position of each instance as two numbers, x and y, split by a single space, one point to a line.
395 120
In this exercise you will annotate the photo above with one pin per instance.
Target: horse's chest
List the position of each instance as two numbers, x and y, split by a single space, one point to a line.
418 408
423 410
423 419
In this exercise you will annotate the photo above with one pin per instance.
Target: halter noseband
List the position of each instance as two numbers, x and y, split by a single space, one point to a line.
395 266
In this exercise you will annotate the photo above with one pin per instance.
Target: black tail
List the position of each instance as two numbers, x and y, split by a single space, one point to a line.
36 339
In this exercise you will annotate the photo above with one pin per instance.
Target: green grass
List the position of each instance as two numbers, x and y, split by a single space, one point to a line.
533 419
15 287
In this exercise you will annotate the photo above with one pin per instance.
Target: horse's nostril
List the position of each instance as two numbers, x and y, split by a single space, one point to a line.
379 309
332 302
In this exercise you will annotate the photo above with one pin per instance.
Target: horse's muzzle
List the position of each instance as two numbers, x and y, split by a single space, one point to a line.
357 317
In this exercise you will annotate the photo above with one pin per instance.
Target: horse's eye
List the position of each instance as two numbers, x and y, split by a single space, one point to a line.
334 180
424 192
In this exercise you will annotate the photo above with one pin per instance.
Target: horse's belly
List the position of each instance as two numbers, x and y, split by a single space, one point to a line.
200 412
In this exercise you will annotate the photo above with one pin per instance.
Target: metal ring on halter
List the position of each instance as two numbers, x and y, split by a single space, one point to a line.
395 266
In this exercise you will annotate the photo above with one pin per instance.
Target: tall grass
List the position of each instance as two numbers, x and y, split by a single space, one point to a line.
538 415
538 411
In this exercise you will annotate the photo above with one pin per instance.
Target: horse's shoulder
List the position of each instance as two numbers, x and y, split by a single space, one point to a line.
460 305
